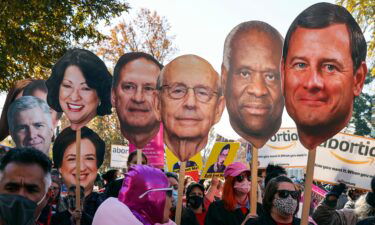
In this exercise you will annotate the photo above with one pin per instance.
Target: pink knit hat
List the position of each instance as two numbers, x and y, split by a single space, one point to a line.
235 169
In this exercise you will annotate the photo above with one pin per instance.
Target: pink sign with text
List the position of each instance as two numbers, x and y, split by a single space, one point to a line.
154 150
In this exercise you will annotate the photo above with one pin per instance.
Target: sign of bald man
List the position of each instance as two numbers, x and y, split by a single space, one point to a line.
251 80
189 103
324 69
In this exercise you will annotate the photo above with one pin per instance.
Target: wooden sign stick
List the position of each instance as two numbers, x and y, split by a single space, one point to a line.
139 156
181 180
308 186
78 172
254 182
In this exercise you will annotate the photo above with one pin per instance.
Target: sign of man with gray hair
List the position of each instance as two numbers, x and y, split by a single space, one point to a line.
30 123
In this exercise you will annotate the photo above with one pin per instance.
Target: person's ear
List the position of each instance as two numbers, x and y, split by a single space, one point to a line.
224 74
282 75
219 108
113 97
156 105
359 79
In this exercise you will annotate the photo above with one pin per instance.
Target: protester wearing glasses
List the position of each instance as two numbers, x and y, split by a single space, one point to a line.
280 203
235 203
144 199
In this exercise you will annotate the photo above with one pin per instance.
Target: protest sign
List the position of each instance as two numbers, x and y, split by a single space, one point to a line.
193 165
119 156
283 149
154 150
222 155
348 159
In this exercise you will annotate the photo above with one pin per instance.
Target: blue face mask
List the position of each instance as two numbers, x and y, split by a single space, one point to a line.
16 209
175 197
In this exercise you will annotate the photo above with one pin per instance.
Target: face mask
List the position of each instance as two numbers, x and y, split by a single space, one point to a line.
41 200
285 206
242 187
331 203
16 209
175 198
195 201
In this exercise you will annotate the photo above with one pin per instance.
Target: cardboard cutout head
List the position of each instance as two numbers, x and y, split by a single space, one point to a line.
189 104
80 86
252 82
323 70
133 88
30 123
92 155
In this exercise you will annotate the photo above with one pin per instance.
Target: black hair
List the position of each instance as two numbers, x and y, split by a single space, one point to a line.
127 58
38 85
273 171
270 191
110 175
68 137
324 14
190 188
134 154
93 69
171 174
26 156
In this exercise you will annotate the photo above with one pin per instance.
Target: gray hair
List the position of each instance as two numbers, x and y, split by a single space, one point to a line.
362 209
245 27
26 103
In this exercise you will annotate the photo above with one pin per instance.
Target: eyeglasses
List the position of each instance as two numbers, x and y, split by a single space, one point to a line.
131 88
178 91
168 192
286 193
240 178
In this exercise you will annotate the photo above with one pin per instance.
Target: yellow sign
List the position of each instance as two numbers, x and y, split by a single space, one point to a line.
193 164
222 155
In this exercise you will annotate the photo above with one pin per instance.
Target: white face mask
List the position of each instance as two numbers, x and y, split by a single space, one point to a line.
242 187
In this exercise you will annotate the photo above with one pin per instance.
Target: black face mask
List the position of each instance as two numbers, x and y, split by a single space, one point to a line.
16 209
331 203
195 201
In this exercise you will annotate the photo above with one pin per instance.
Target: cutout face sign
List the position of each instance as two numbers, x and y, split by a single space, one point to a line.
133 90
80 87
252 82
321 78
92 155
189 104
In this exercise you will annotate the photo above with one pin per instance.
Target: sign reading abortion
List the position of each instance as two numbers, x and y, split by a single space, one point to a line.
348 159
119 156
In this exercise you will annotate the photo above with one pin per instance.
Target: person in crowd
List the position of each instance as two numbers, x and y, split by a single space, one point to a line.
173 181
327 214
235 203
133 88
145 199
14 93
218 166
196 205
38 88
92 155
30 123
280 203
214 191
353 195
52 199
110 176
24 172
71 214
80 86
113 189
